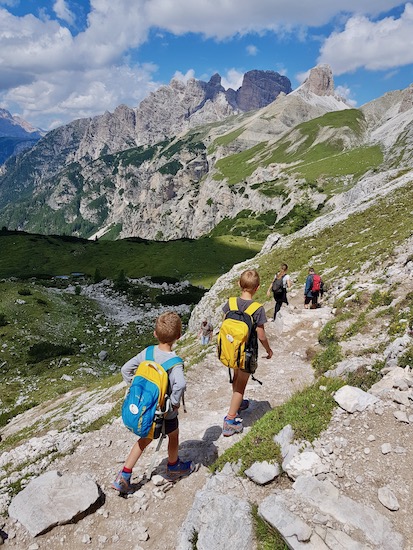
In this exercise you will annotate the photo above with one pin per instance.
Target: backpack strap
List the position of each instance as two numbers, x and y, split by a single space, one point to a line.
233 304
168 364
252 308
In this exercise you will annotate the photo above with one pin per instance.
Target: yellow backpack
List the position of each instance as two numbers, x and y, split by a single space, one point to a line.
237 338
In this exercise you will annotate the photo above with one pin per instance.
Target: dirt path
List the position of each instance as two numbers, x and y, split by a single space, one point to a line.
119 522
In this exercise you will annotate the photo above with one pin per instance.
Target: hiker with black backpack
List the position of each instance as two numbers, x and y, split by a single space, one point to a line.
143 373
279 286
238 339
313 285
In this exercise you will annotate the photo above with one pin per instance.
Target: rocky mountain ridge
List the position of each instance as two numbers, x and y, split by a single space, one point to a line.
265 162
16 135
138 185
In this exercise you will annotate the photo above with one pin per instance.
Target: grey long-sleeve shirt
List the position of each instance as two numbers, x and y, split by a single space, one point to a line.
176 374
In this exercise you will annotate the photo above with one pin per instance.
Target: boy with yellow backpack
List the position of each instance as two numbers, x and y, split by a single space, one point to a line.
238 346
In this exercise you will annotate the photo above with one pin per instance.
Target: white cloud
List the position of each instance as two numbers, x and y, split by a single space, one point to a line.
243 16
252 50
184 77
63 12
49 74
68 95
232 79
346 93
376 45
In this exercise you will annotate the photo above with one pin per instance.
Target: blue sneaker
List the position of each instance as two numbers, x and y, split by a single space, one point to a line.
244 405
231 427
122 483
178 470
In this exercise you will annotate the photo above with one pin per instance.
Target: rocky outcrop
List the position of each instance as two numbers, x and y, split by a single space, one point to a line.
260 88
320 81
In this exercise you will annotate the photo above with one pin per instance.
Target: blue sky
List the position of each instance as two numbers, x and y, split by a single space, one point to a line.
61 60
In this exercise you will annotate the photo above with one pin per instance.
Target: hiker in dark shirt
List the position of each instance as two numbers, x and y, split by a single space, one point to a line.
313 284
279 286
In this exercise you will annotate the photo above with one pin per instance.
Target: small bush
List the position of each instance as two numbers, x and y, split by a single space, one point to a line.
363 378
24 292
3 320
328 334
327 358
47 350
406 359
379 298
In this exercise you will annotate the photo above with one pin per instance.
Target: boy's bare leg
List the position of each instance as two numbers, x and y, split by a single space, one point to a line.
136 452
239 384
173 445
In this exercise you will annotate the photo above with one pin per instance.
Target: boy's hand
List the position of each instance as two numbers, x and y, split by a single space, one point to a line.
269 355
268 292
175 407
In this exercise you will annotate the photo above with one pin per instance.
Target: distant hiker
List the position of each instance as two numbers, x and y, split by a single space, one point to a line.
167 331
279 286
205 332
232 349
313 284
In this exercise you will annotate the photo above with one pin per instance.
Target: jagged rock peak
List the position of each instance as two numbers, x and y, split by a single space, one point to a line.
260 88
320 81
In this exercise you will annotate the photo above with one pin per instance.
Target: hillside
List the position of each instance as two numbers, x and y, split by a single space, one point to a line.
361 336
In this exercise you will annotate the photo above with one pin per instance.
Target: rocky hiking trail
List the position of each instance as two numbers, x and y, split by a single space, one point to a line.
156 516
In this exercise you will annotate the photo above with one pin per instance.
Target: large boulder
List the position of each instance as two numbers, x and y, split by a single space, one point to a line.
53 499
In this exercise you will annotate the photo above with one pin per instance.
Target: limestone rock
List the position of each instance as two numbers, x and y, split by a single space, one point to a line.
353 399
53 499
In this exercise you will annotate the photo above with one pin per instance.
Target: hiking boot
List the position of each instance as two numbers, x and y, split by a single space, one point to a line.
231 427
122 483
244 405
178 470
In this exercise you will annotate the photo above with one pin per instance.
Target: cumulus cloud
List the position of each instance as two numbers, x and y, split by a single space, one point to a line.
184 77
252 50
243 16
48 71
346 93
375 45
67 95
232 79
63 12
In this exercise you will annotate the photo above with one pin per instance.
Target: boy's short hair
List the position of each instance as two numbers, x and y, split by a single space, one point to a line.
249 280
168 327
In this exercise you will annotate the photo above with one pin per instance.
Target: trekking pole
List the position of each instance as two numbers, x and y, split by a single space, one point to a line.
155 454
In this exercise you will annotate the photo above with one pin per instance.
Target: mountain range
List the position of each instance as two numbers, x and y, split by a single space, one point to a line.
16 135
194 155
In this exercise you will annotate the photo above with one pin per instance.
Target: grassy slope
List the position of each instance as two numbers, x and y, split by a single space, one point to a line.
362 242
312 158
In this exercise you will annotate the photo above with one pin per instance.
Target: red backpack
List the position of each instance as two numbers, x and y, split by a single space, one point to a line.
316 283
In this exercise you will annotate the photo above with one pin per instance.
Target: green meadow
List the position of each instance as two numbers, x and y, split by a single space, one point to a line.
200 261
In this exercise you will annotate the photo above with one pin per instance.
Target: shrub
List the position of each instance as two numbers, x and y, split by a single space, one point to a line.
47 350
327 358
3 321
379 298
24 292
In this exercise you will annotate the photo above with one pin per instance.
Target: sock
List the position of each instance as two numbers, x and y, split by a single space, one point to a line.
127 472
173 463
231 416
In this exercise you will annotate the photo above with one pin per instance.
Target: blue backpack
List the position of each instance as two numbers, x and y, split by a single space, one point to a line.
147 395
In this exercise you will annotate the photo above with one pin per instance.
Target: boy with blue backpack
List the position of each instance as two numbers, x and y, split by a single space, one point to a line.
167 331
